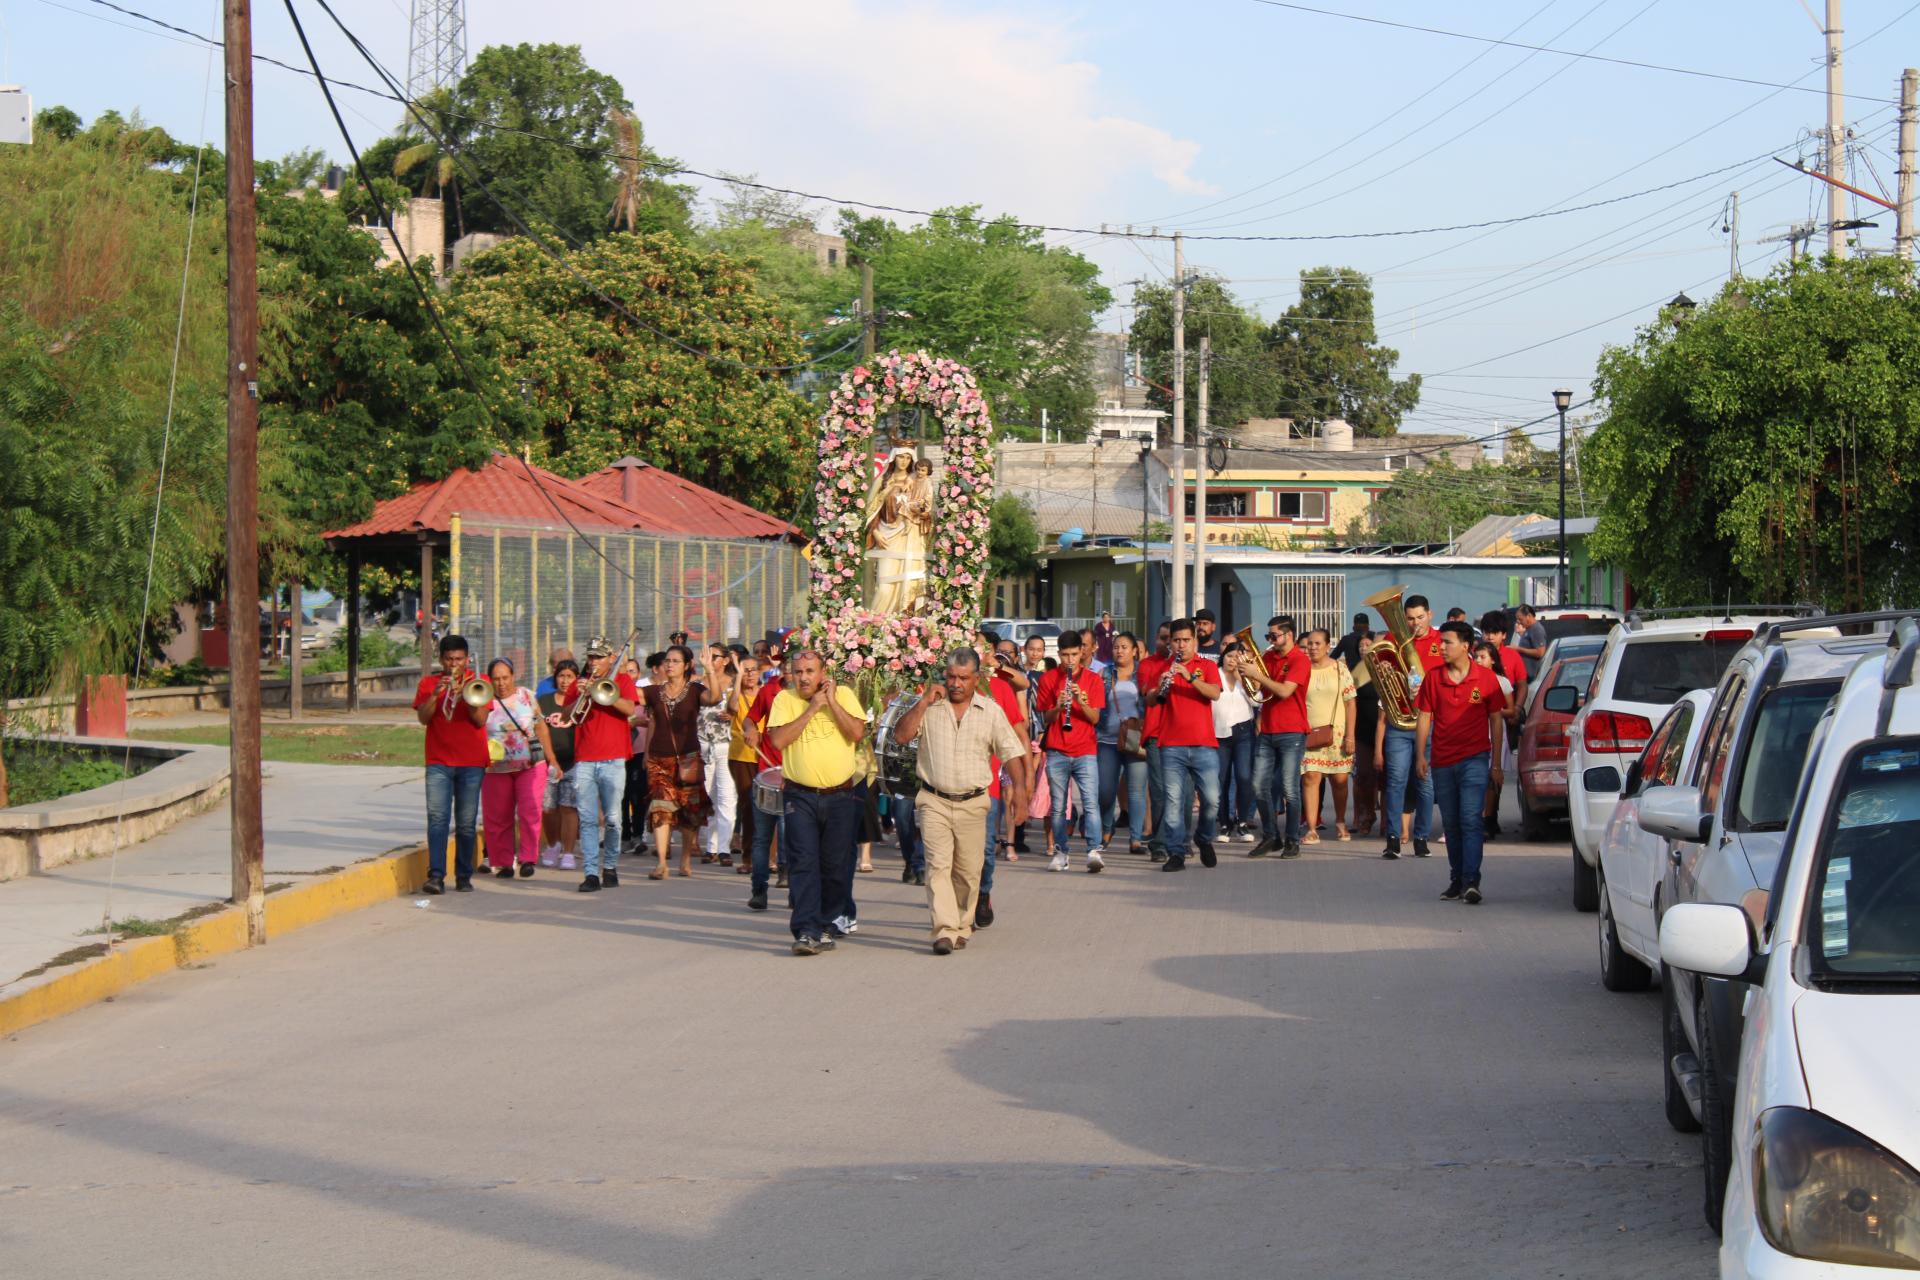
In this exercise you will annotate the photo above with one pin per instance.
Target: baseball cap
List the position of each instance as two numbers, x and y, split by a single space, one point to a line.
599 647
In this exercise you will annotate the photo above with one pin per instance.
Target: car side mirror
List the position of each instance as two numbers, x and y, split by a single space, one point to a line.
1674 812
1562 698
1709 938
1632 784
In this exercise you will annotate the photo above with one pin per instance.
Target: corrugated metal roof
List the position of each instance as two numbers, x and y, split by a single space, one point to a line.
504 490
690 508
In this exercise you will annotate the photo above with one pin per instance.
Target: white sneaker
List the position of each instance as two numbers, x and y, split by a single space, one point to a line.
566 862
549 855
1095 862
1059 862
846 925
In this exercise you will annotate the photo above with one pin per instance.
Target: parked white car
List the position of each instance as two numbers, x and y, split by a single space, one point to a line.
1825 1176
1648 664
1632 859
1017 631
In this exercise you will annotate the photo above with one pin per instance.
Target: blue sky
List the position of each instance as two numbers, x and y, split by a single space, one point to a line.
1229 116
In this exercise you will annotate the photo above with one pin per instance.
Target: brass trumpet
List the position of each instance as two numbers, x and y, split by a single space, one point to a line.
477 692
1391 660
1255 694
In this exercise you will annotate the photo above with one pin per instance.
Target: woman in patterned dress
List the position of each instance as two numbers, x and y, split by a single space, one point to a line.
670 711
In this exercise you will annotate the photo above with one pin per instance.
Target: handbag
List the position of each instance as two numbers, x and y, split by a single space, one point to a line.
1130 743
1320 738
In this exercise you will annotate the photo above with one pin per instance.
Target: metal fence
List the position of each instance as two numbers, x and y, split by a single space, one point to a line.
519 589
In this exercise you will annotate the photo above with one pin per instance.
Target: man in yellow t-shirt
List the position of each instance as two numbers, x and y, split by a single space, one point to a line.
817 726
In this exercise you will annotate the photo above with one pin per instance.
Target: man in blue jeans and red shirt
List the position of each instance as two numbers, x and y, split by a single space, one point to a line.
456 761
1278 749
600 748
1189 752
1460 702
1069 700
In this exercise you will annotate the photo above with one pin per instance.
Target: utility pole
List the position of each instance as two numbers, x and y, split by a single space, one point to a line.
1836 137
1177 593
869 322
1200 482
1733 244
1909 116
243 477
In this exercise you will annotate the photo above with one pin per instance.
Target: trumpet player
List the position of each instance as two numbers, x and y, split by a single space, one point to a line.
456 762
1406 798
1070 699
1281 745
601 744
1189 752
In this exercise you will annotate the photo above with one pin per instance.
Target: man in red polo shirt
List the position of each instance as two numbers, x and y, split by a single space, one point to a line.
456 762
1283 671
1013 779
766 826
601 745
1152 668
1494 629
1189 753
1458 703
1069 699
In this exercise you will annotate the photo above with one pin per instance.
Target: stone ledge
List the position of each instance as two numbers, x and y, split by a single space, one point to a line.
188 779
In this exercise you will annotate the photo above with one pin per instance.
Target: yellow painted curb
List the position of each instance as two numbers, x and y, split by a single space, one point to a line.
219 934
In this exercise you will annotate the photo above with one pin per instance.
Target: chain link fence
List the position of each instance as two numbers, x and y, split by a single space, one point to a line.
519 589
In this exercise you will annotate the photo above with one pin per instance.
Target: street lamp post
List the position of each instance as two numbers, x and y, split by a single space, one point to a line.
1562 398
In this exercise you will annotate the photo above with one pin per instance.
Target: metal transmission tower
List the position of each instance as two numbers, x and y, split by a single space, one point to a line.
436 46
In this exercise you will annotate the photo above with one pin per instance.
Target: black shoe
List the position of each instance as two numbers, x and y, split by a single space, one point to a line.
920 878
526 871
1453 892
943 946
1264 848
1208 858
823 943
1291 849
1156 855
1392 851
906 875
1491 829
983 911
757 901
1420 849
1175 864
463 885
806 946
780 880
609 878
435 886
590 885
503 873
1473 895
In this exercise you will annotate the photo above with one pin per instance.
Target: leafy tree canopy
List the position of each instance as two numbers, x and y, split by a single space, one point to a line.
1242 378
1013 538
1765 446
758 229
1439 501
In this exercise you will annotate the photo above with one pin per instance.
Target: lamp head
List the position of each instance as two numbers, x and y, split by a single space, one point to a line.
1562 398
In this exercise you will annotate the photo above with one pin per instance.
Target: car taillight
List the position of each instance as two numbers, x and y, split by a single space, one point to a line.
1736 633
1616 731
1552 742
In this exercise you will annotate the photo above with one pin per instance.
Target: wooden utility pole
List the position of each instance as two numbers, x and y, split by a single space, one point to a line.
1836 137
1200 482
243 477
1177 508
1909 116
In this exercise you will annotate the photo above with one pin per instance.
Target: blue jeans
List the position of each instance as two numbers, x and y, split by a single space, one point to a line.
1276 783
599 786
1461 789
1183 770
1117 770
765 827
1084 773
1398 749
908 830
453 801
817 835
1236 775
1156 788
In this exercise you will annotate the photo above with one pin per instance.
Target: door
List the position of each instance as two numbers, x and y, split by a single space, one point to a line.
1660 766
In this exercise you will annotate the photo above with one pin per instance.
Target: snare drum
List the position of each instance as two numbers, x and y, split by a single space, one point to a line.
769 791
898 761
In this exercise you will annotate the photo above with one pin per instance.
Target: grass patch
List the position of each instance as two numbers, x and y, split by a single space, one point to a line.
139 927
315 744
35 775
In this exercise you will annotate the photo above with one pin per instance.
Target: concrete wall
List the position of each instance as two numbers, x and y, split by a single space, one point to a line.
55 715
183 780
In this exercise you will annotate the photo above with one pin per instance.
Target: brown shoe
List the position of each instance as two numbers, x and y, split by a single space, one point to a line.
943 946
959 944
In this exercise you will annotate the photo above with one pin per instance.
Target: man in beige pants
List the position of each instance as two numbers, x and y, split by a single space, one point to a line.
958 735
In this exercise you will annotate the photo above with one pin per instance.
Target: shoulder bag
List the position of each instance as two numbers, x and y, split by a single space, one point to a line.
1320 737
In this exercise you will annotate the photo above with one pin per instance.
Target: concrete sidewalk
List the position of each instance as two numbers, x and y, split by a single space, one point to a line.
319 818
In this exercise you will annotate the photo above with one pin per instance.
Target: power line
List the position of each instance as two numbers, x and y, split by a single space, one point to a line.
1563 53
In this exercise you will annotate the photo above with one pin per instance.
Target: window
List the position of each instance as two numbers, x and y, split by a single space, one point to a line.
1069 599
1665 671
1224 504
1713 760
1314 599
1117 594
1309 506
833 257
1770 760
1660 761
1865 919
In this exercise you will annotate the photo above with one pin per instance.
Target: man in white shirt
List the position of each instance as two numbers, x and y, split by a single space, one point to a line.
1233 725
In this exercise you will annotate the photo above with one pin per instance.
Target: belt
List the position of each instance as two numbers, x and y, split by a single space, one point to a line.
848 785
974 794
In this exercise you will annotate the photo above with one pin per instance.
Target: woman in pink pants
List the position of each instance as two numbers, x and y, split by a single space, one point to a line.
516 781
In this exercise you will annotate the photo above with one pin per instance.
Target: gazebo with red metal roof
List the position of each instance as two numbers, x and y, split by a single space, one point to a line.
509 488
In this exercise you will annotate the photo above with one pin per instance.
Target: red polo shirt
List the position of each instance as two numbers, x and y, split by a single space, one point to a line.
1512 666
1071 733
1152 667
1008 700
605 733
454 740
762 705
1187 719
1286 715
1462 713
1428 647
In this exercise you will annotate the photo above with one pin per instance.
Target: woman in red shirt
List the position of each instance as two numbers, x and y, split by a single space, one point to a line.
456 763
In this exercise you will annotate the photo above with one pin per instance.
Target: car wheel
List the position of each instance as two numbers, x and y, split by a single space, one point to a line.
1586 891
1533 826
1673 1043
1716 1120
1618 970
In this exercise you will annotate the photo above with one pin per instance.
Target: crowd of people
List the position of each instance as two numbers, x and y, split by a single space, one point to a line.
763 764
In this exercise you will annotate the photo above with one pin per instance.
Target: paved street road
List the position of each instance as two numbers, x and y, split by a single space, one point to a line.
1309 1068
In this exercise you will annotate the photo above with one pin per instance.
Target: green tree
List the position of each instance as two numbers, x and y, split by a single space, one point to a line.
1440 501
659 375
758 230
994 296
1013 538
1242 377
1765 446
1327 359
57 122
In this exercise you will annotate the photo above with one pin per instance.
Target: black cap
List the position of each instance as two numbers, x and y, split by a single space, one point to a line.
1205 615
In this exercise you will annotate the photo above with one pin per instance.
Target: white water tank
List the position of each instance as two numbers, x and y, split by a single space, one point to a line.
1337 435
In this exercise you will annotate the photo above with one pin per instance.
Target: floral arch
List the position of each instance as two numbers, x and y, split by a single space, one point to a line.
882 652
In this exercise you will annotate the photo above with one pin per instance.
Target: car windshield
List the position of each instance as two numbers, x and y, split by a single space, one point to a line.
1574 671
1775 750
1577 626
1041 629
1659 670
1865 918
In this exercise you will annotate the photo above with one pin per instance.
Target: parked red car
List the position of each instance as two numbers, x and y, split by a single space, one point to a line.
1543 748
